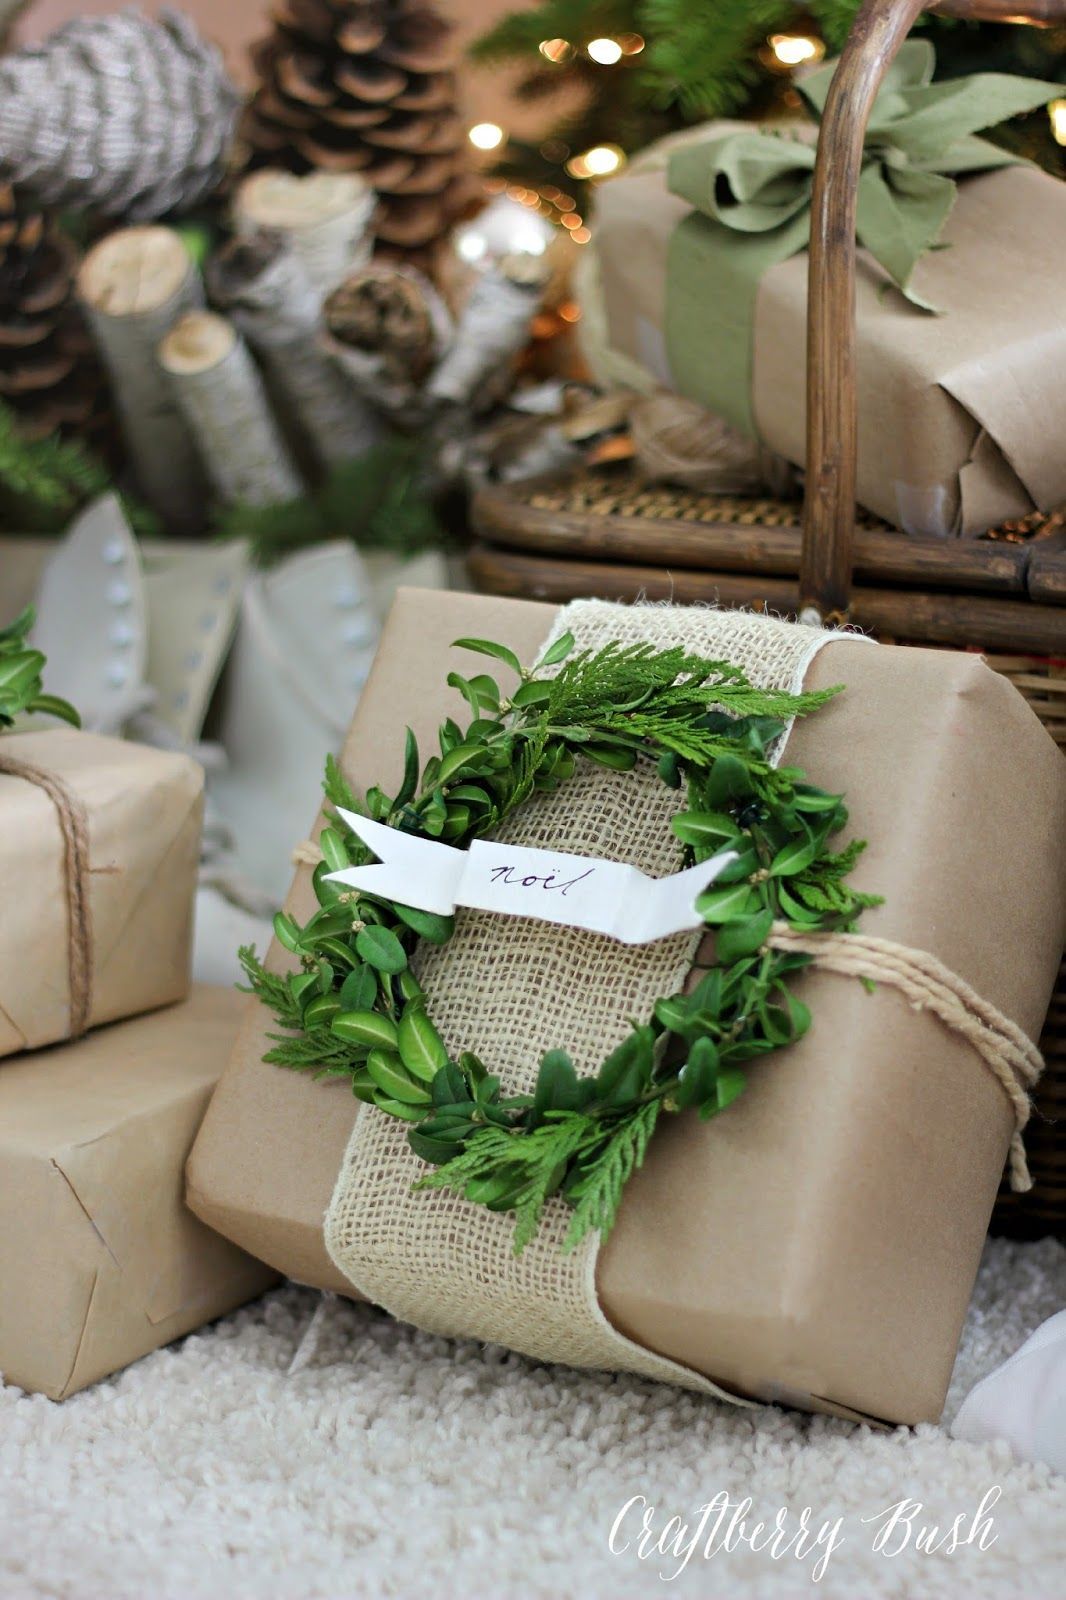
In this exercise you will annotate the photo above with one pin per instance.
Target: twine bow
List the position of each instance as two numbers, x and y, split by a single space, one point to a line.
752 197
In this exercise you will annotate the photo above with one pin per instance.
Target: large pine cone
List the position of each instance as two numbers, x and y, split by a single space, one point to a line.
365 86
48 370
117 114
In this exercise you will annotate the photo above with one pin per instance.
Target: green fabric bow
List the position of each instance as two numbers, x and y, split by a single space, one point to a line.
752 197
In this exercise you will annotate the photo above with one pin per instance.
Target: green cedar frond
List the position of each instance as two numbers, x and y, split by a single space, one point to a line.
44 482
601 1187
379 500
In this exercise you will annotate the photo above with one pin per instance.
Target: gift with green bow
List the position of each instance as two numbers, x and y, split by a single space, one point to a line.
701 251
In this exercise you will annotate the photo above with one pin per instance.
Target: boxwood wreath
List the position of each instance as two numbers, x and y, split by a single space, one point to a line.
355 1009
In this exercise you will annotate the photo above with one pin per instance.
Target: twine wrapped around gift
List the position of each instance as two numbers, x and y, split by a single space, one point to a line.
74 827
751 193
433 1258
928 985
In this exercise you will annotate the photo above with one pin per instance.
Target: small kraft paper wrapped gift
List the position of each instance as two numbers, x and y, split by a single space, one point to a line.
816 1243
697 281
98 861
100 1260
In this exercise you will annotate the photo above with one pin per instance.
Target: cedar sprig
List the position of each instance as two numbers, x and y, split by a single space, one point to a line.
354 1008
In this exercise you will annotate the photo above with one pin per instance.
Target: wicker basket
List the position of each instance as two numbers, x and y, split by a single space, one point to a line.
607 534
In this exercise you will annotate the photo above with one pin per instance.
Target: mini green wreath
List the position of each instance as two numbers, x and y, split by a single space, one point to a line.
356 1010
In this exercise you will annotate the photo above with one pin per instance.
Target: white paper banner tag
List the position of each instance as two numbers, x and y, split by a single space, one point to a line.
577 891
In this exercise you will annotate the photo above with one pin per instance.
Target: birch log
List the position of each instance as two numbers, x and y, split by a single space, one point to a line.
386 327
261 283
493 327
221 393
325 216
133 285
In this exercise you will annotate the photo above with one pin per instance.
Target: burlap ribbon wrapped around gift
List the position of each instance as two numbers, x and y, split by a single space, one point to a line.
698 282
98 857
435 1259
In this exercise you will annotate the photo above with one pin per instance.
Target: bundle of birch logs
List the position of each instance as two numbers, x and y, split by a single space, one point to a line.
308 351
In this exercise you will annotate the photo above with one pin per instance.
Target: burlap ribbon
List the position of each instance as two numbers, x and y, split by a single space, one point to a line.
751 193
446 1265
74 827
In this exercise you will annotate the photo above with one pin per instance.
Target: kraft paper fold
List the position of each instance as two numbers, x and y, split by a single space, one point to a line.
818 1244
144 810
960 414
100 1260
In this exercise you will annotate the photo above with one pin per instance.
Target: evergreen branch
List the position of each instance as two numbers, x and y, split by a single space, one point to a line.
44 482
597 1198
379 500
702 58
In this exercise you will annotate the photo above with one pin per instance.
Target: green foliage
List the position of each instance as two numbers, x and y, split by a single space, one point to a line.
378 500
44 482
702 58
21 691
519 33
710 60
355 1009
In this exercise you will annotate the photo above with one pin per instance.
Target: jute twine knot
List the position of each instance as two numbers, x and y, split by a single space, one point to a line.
74 827
929 985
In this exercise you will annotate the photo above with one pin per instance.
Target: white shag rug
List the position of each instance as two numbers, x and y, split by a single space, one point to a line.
392 1463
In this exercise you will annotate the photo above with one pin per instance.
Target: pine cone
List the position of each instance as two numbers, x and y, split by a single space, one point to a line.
48 371
119 114
365 86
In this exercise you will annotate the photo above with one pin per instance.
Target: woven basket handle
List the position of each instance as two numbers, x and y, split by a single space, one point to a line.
832 413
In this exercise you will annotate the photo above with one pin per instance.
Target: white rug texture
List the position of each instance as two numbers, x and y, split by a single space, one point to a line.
395 1464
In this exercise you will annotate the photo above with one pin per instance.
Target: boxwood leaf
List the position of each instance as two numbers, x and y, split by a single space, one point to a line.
421 1046
332 846
793 858
380 948
743 938
728 779
488 647
712 828
730 1083
409 785
731 904
434 1150
558 651
698 1075
398 1108
427 924
386 1069
532 694
359 989
365 1027
287 932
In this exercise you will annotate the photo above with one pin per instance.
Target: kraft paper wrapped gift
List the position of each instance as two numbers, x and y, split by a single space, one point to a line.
139 810
960 414
100 1260
818 1243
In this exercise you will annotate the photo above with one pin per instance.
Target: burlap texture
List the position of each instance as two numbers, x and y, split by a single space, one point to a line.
509 988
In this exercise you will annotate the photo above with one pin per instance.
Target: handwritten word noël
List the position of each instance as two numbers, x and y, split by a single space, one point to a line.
533 880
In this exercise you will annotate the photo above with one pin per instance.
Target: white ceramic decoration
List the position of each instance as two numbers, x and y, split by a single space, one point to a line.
306 637
194 594
1024 1401
92 619
305 640
133 630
